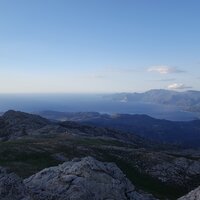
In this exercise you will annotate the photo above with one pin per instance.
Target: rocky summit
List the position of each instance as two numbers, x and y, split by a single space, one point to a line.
84 179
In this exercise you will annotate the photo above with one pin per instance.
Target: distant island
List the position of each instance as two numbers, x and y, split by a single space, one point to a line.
187 100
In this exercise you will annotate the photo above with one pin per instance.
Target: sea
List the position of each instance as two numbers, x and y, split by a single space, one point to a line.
90 103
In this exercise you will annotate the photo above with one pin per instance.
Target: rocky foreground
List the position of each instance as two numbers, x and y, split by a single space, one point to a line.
83 179
193 195
30 143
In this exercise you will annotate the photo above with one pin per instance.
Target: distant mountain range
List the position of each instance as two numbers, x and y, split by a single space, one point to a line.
165 131
188 100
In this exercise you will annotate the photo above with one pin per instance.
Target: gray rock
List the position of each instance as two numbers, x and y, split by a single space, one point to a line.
172 170
85 179
193 195
12 187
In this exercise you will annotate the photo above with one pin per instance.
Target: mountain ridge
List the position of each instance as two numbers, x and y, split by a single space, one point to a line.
16 124
186 133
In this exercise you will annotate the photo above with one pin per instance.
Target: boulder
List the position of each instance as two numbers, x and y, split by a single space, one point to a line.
83 179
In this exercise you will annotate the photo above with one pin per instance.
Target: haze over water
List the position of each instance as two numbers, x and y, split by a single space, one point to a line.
88 103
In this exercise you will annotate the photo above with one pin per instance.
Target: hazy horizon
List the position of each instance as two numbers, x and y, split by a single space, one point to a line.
36 103
91 93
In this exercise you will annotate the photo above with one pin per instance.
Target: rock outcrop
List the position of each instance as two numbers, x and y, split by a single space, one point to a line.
193 195
170 169
12 187
83 179
177 171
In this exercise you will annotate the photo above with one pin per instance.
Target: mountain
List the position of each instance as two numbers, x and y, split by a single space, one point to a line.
165 171
180 133
185 133
15 124
188 100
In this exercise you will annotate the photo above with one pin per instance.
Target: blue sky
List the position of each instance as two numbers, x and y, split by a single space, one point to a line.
95 46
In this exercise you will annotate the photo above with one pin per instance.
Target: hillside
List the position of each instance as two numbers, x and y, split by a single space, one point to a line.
185 133
164 171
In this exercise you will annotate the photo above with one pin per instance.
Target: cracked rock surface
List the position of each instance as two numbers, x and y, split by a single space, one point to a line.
83 179
12 187
193 195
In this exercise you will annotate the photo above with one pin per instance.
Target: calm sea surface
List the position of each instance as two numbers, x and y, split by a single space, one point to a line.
87 103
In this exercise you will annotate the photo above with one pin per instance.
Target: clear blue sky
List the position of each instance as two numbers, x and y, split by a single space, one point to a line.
99 45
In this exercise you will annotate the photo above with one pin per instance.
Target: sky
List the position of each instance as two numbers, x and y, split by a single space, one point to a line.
99 46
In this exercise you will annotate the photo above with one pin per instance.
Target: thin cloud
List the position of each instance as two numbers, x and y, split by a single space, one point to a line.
121 70
178 86
93 76
128 70
99 76
166 80
162 69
